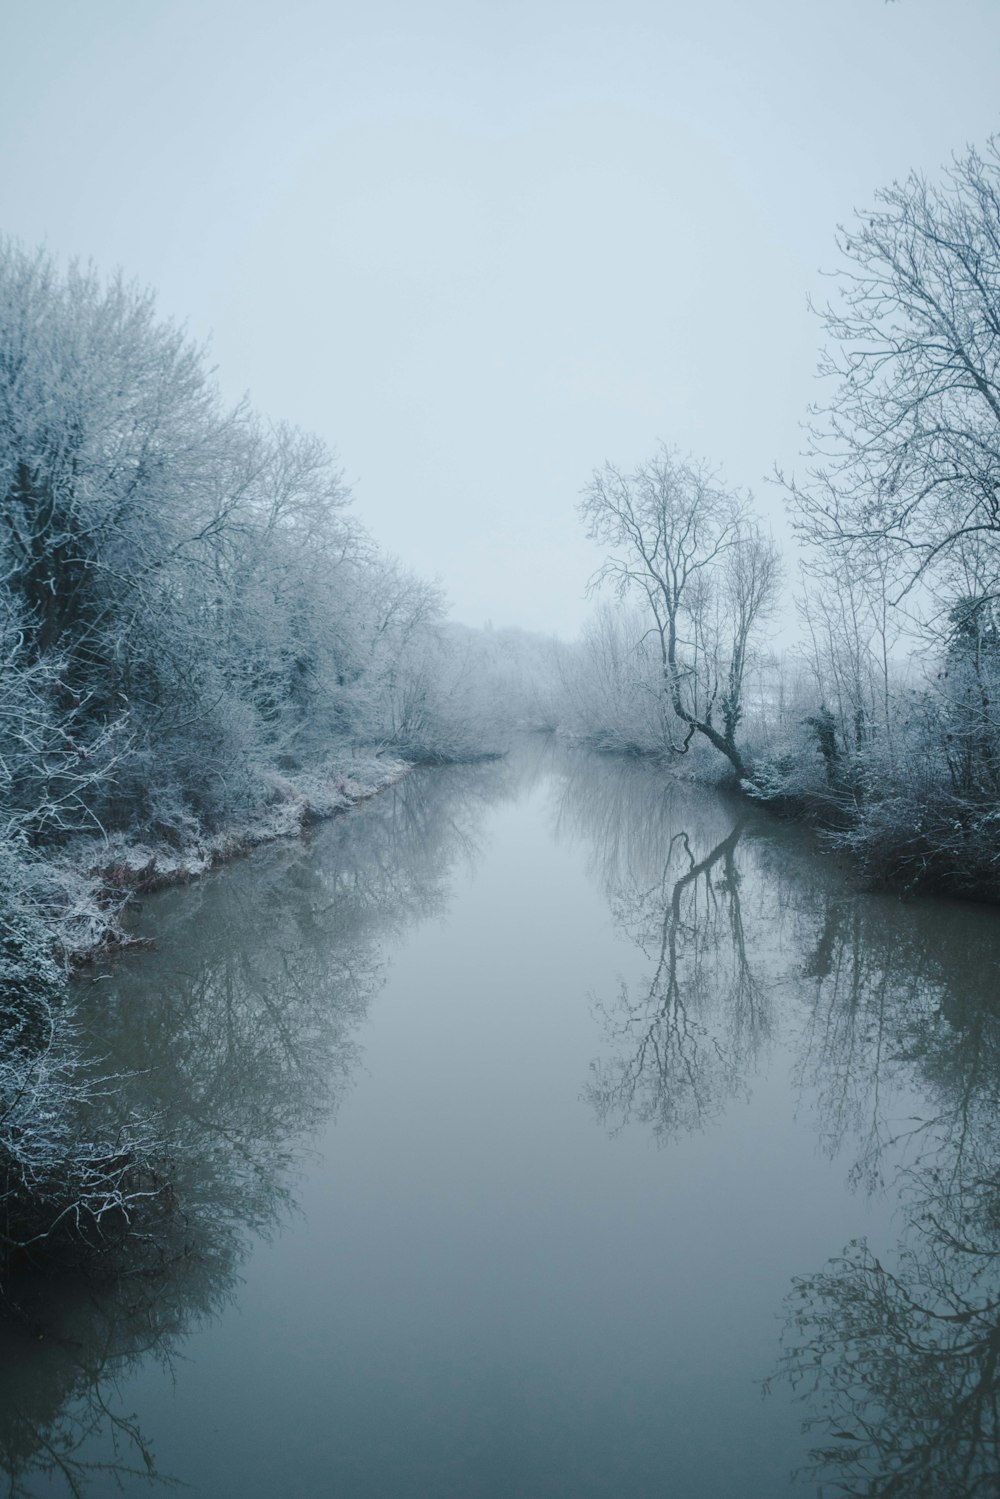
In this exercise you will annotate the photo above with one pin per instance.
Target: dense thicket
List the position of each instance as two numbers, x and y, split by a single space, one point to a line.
186 603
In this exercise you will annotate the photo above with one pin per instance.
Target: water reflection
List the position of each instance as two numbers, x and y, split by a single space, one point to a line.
891 1015
741 949
687 1037
238 1033
895 1348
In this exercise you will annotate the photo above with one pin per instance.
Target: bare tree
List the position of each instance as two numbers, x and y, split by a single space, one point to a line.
901 507
907 451
693 553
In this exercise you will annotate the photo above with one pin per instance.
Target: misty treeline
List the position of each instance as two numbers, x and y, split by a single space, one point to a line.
194 625
201 647
884 724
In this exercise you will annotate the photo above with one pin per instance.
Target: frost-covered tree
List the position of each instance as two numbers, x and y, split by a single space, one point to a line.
906 450
706 575
612 680
899 511
187 605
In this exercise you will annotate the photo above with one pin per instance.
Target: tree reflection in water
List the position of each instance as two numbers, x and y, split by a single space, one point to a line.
895 1353
238 1033
896 1349
687 1038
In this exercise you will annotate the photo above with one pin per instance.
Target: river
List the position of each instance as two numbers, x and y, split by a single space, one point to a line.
547 1129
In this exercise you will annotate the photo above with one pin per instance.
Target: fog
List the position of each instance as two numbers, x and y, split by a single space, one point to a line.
479 248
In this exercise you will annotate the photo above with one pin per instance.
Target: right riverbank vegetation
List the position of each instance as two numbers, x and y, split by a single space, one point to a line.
203 647
884 725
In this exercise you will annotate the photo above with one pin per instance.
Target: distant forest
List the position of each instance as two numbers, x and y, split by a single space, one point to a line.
203 647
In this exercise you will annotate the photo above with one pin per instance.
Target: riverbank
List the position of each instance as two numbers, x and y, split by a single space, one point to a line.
906 839
112 871
72 1192
61 908
899 828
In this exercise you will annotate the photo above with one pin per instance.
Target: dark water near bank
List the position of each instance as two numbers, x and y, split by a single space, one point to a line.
544 1130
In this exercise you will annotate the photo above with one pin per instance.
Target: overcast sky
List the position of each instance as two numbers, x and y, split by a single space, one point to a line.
481 247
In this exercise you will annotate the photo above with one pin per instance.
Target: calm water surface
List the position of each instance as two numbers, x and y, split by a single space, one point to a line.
545 1130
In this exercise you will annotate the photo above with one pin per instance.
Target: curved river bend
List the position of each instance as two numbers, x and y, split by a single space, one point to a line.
548 1130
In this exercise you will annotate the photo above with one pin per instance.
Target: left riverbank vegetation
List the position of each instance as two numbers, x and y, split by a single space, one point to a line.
202 648
201 643
884 724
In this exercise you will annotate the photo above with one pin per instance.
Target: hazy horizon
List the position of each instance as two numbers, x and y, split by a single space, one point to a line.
480 250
